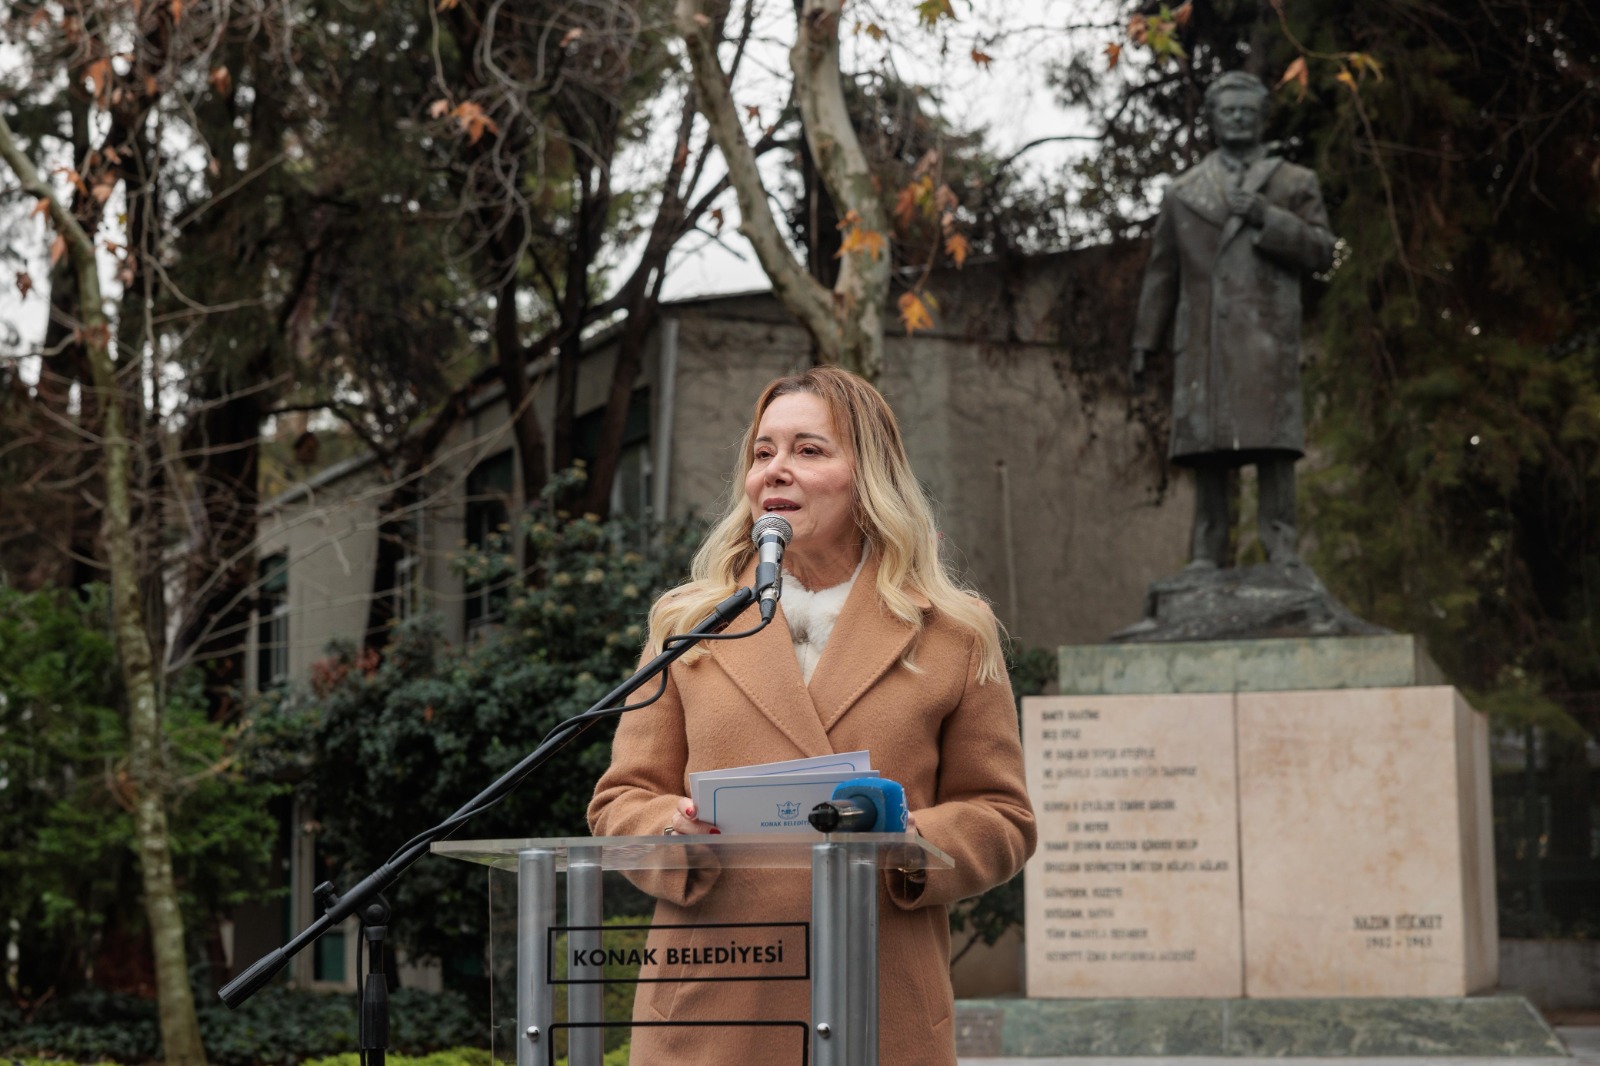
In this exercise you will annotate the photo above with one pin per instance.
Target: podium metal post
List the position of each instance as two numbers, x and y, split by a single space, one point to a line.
585 1002
536 913
844 972
861 908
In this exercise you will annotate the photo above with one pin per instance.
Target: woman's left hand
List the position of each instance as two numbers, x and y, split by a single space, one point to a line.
684 822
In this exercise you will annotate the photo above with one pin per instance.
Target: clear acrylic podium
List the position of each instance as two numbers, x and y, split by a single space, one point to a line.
842 937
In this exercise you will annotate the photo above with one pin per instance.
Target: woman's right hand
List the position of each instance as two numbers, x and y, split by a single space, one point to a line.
683 820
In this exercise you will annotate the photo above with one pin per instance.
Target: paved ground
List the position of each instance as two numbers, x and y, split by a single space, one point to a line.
1582 1041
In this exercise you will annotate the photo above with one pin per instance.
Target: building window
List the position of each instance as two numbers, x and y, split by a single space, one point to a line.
630 489
406 596
488 528
272 622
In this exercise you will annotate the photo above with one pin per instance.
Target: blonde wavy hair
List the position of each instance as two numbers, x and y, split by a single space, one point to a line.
890 508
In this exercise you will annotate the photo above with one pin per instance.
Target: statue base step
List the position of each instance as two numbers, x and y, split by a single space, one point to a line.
1505 1026
1254 602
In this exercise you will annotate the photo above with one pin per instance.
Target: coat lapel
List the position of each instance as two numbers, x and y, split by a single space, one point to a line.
1254 179
866 643
1201 191
765 669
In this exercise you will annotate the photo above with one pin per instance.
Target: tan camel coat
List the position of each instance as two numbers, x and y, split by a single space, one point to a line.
951 742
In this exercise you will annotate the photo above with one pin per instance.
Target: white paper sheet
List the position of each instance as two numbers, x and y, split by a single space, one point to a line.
768 803
773 797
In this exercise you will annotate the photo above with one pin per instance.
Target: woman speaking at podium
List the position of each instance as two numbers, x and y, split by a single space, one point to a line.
874 647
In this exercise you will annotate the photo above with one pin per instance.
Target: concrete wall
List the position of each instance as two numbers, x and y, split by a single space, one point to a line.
1556 975
1050 480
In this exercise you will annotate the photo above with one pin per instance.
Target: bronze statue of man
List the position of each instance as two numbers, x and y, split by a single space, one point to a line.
1236 234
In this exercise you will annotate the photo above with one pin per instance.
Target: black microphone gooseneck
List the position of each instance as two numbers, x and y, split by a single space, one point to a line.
772 535
341 907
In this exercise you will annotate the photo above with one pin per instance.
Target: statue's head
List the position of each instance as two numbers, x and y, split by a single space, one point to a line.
1236 108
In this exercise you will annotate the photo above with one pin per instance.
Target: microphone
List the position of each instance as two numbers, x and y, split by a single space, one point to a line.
864 805
771 535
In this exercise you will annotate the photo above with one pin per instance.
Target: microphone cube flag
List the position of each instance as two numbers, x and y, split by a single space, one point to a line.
887 798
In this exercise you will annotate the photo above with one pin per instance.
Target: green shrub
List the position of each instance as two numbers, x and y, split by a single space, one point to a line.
456 1056
278 1025
403 739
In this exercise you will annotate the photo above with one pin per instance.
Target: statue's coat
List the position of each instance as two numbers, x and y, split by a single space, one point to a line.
1226 295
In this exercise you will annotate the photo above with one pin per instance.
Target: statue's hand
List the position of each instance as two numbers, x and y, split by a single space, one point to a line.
1252 205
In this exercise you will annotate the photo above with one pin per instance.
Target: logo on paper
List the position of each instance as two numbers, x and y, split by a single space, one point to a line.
788 810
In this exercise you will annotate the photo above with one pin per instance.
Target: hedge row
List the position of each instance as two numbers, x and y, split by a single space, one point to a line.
277 1026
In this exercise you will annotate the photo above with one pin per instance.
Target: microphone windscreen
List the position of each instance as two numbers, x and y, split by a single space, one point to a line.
889 797
773 523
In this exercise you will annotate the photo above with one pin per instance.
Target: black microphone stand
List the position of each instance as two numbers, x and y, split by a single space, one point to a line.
251 981
373 1026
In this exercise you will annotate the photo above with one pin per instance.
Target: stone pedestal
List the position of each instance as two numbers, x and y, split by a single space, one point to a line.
1365 831
1138 860
1248 826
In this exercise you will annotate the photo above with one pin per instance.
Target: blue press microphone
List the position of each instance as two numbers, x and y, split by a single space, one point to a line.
771 535
864 805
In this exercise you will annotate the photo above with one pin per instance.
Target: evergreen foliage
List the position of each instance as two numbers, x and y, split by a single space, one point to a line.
67 872
390 747
277 1026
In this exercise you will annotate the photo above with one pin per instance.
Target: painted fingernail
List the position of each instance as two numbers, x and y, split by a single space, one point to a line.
716 831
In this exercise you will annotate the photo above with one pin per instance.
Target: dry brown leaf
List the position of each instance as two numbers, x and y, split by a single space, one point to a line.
1297 74
58 248
176 7
1138 29
905 207
945 199
1365 64
104 185
981 59
439 108
929 160
74 177
99 75
24 283
860 240
702 19
446 5
41 206
571 35
957 248
1344 78
474 121
752 113
1184 12
1113 53
151 86
716 220
221 80
914 313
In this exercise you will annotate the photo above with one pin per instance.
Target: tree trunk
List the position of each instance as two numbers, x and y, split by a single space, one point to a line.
180 1029
846 323
862 286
